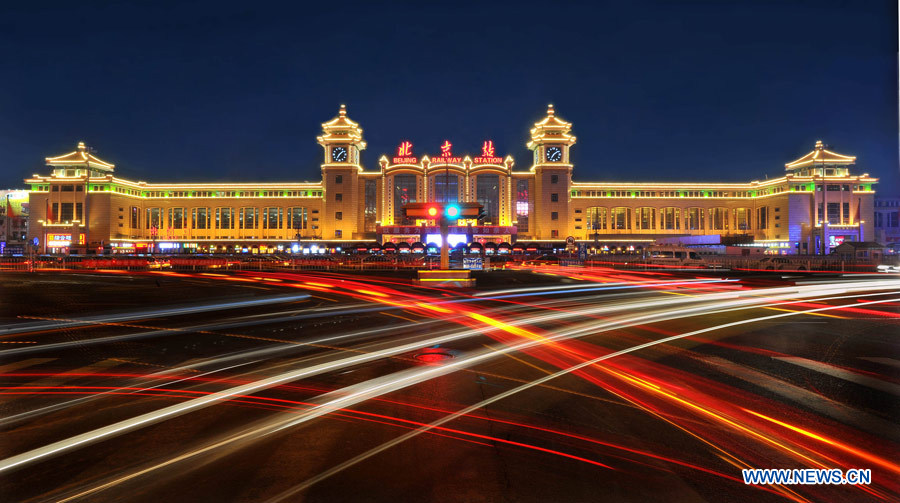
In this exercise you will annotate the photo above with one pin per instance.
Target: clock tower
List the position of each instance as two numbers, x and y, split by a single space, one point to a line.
550 142
342 142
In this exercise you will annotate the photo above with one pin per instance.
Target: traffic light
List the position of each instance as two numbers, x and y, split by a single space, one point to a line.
434 211
422 211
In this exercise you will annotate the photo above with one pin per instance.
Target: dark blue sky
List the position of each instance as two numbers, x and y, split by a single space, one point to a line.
696 90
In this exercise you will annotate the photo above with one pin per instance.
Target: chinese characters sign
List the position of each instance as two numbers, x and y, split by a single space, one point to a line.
488 154
405 155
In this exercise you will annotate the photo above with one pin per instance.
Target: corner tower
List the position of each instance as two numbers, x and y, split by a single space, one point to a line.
550 142
342 142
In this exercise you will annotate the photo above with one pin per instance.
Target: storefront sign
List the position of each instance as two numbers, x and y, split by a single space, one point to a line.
59 240
454 229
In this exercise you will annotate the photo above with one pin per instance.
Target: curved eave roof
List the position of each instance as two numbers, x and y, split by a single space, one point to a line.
820 156
80 157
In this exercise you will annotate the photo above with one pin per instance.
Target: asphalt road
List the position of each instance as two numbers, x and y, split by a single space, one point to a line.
551 385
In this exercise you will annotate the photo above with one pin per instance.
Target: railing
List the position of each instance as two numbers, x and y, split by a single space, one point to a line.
402 262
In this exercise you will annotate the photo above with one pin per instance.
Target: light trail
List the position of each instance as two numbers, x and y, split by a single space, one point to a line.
155 313
350 396
484 403
176 410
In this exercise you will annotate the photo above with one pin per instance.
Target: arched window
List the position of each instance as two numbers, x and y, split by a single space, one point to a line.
742 219
596 218
620 219
488 194
670 219
718 219
645 218
696 219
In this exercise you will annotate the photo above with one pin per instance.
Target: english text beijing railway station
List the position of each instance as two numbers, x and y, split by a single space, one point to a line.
82 206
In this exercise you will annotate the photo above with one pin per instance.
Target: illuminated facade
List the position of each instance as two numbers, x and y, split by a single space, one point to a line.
82 205
13 220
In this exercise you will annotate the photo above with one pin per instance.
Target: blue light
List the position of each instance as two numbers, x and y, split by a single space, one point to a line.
451 210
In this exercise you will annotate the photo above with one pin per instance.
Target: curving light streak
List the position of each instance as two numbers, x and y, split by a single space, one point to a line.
350 396
176 410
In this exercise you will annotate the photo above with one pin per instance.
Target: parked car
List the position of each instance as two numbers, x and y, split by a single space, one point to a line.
675 256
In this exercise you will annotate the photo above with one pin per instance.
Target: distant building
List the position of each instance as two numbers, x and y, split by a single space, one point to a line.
13 220
887 221
81 205
860 250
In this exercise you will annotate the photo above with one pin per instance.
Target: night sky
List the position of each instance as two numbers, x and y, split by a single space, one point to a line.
657 91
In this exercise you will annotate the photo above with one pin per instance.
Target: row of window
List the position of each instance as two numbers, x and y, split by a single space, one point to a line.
711 193
648 218
887 219
296 218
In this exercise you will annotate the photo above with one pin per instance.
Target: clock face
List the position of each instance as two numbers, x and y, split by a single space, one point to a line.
338 154
554 154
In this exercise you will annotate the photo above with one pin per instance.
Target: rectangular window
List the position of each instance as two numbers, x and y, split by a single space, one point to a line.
554 178
338 233
200 218
404 193
299 218
554 233
79 213
488 194
224 218
670 218
272 218
718 219
370 214
620 218
66 212
596 218
696 219
249 218
446 188
834 213
522 206
742 219
554 215
338 197
554 198
645 218
338 215
154 218
845 213
176 218
338 178
135 218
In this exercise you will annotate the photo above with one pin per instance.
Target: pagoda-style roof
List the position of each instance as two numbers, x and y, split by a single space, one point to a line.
820 156
80 158
342 130
551 129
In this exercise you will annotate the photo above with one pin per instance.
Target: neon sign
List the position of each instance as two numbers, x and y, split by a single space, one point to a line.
404 154
446 155
59 240
488 154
